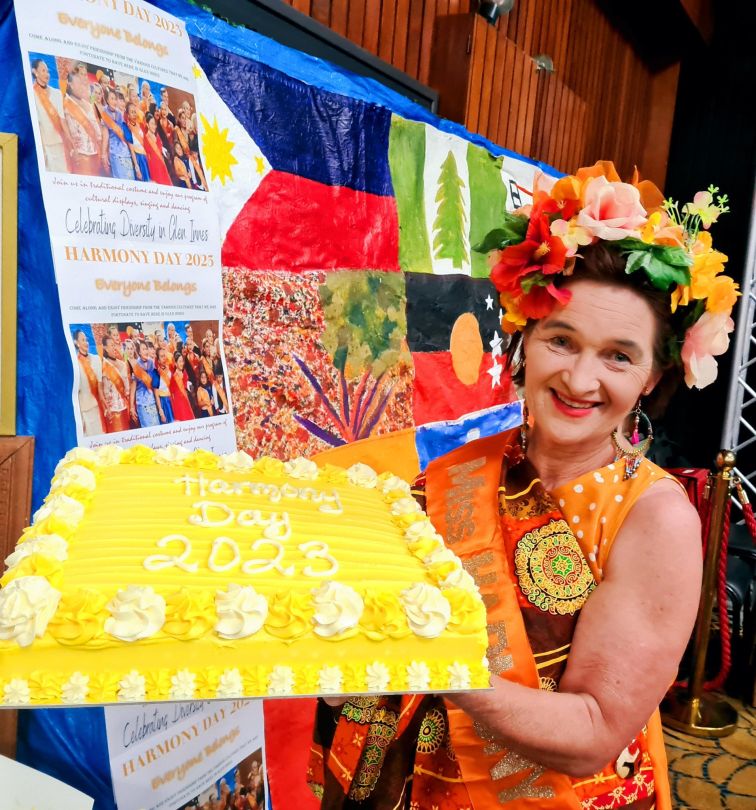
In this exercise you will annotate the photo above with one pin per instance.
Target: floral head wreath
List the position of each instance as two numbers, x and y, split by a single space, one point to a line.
671 247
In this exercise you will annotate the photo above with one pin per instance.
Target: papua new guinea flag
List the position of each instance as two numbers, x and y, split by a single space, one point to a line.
457 346
302 174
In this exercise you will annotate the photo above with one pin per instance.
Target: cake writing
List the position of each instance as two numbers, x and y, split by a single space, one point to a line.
200 484
311 550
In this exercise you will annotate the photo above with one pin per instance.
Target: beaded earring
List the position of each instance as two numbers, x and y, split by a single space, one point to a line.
633 456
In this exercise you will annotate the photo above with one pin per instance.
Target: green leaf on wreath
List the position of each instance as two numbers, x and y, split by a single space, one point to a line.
512 232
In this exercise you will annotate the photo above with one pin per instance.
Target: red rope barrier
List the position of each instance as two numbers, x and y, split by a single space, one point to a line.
725 634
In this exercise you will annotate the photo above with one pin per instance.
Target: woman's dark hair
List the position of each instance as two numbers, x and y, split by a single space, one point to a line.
605 265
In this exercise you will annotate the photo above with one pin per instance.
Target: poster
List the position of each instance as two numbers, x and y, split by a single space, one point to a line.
172 756
132 221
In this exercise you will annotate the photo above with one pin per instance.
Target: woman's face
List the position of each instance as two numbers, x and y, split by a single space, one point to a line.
588 362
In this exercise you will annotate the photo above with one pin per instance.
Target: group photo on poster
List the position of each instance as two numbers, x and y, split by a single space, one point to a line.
142 375
100 122
242 788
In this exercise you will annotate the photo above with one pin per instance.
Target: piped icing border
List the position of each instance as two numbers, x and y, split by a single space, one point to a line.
32 603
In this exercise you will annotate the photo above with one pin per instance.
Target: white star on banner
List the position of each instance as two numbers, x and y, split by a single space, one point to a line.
495 372
496 344
489 302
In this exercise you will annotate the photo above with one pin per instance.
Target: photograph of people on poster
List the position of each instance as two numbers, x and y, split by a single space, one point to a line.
100 122
241 788
143 375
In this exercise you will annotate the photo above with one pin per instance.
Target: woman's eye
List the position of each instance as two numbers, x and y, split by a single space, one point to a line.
559 342
620 357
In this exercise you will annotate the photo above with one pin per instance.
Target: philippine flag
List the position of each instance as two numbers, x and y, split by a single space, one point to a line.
302 174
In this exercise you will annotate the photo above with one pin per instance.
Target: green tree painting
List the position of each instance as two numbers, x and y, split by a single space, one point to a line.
451 218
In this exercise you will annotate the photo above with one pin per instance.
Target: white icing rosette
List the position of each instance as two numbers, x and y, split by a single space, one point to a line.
362 476
230 684
79 455
427 610
50 545
132 687
16 692
26 606
393 483
442 555
418 676
281 681
338 607
422 530
236 462
75 689
302 468
136 612
75 475
377 677
459 676
405 506
183 685
64 508
330 679
173 454
109 455
459 578
241 611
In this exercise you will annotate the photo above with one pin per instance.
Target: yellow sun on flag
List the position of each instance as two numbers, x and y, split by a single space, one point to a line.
217 150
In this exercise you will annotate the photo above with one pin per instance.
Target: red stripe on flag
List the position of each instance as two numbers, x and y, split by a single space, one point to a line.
439 394
291 223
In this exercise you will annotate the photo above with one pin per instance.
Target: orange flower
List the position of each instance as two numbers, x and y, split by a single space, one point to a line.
706 267
512 320
651 197
723 296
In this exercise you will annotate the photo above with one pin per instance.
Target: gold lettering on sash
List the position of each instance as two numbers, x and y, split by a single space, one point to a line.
460 509
498 660
475 562
510 764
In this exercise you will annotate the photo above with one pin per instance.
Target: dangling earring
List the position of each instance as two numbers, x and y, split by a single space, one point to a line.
636 453
524 428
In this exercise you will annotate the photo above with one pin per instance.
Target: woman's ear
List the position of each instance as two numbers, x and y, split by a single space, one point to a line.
651 383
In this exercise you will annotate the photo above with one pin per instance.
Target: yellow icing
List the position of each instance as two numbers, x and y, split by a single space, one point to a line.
36 565
141 499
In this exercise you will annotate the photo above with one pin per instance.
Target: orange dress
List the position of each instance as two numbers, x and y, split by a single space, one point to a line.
509 533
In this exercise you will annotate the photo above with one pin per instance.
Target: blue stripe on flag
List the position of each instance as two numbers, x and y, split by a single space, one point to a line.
301 129
437 438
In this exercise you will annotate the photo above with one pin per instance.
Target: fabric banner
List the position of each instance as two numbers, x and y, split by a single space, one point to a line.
171 756
133 227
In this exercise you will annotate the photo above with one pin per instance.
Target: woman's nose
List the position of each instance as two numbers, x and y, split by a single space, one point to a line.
582 377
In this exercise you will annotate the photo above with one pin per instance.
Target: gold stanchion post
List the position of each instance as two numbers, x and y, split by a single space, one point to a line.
689 709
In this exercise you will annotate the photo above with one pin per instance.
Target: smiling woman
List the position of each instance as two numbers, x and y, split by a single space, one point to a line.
587 555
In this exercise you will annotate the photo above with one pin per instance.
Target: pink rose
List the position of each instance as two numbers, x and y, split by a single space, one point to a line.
612 210
708 336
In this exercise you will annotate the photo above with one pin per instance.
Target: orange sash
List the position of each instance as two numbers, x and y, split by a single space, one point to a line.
75 111
138 136
113 125
165 376
142 375
462 490
49 108
111 372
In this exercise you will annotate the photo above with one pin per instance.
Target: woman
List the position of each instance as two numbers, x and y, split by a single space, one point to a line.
84 127
117 156
181 166
115 388
190 146
137 131
154 147
205 395
180 385
590 568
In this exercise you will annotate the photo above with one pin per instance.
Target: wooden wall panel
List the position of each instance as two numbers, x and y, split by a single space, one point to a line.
601 102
